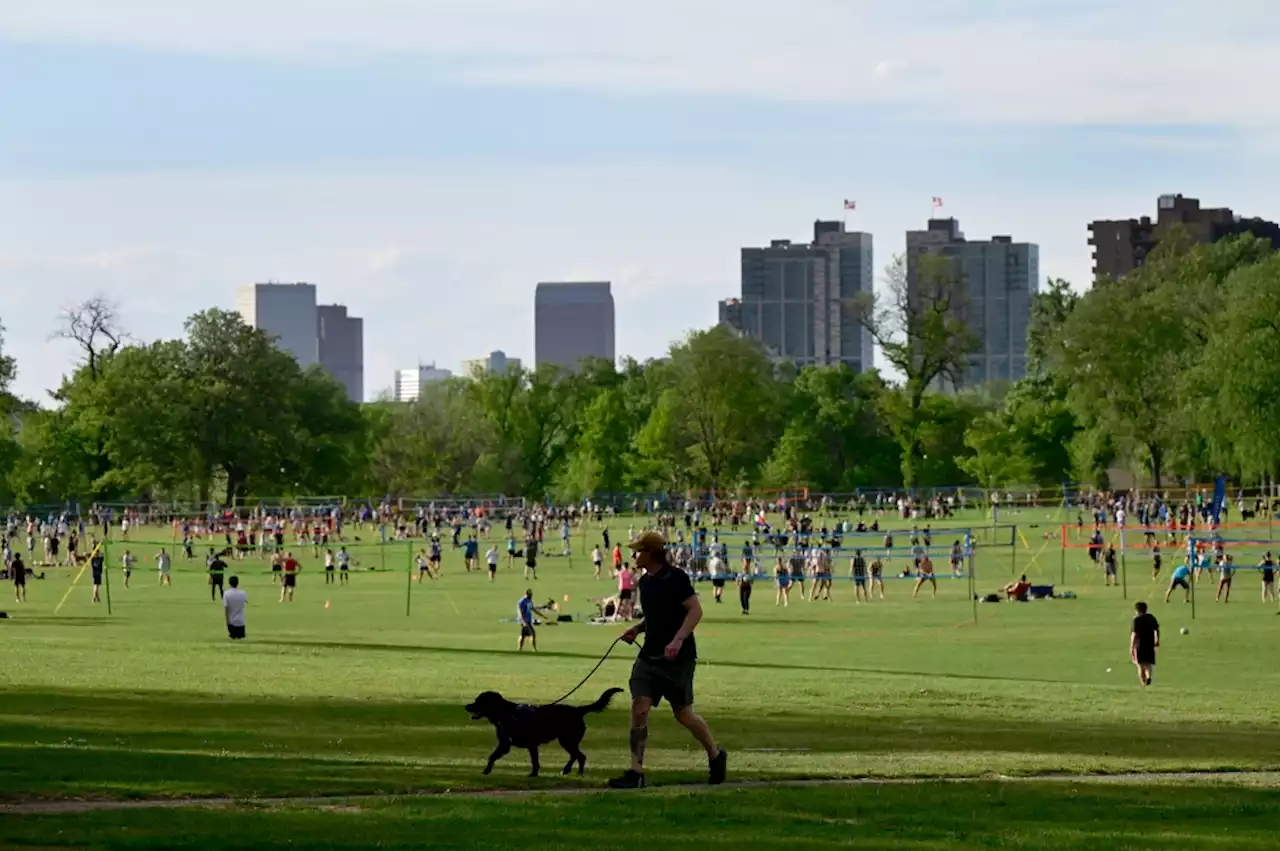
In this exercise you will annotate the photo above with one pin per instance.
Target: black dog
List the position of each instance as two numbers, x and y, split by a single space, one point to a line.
531 726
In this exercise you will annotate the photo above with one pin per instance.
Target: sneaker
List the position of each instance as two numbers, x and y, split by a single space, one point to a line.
629 780
718 767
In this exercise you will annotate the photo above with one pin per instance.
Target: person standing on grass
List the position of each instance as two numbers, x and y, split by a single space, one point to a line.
665 665
491 558
597 559
525 611
1144 639
926 575
626 593
1226 570
18 571
96 565
435 557
344 565
858 571
1268 568
233 603
126 561
745 580
531 558
329 566
164 565
217 568
290 577
1109 566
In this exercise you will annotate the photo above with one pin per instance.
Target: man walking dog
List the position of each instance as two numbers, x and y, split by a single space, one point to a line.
664 667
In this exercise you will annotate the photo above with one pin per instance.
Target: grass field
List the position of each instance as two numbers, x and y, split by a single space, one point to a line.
152 701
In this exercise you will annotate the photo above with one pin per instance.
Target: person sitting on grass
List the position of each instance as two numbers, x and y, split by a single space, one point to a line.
1018 590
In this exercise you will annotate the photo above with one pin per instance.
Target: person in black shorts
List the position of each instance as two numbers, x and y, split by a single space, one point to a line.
858 570
217 567
1144 638
1268 568
96 565
18 571
665 665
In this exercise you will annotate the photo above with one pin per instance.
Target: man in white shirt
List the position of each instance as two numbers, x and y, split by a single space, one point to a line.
233 602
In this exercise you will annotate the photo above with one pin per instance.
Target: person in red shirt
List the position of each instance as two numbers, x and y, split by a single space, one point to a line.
290 577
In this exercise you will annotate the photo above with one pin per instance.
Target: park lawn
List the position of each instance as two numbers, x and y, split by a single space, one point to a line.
153 701
928 817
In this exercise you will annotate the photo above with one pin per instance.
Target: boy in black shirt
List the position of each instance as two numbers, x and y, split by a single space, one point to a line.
664 668
1144 638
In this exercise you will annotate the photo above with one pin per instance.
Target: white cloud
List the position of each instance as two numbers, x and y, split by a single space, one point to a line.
1090 61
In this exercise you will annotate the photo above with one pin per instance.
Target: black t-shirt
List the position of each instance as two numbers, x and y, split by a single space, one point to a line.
217 566
96 563
1145 628
662 598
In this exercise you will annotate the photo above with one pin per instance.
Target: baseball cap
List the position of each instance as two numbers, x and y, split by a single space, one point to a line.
650 541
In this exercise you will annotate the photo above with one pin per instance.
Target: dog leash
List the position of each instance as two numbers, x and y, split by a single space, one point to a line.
589 674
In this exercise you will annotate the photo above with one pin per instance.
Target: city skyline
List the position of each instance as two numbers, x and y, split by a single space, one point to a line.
188 153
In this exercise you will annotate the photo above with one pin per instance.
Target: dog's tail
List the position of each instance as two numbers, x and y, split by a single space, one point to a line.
601 704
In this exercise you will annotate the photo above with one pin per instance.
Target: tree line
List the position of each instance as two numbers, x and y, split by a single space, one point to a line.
1172 371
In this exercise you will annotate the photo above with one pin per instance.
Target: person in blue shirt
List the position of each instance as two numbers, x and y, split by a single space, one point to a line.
1181 579
471 552
525 612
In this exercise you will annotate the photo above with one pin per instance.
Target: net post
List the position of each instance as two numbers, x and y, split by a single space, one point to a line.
1124 570
106 573
973 591
408 592
1062 560
1195 576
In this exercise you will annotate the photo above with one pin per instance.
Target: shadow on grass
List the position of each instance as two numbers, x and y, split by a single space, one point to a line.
57 743
1044 817
764 666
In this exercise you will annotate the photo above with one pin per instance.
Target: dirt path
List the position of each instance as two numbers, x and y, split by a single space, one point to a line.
352 802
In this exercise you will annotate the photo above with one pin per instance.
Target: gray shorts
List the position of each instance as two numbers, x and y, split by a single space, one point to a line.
662 680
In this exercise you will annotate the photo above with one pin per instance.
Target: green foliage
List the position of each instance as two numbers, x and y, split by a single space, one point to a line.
1172 371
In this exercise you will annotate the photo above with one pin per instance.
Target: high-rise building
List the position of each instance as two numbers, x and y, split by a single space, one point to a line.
1122 245
997 281
341 340
798 299
288 313
572 321
496 363
313 334
409 382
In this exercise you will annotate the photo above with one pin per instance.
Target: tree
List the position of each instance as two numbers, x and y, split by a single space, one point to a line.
430 446
835 439
919 325
1049 312
1235 382
94 326
724 399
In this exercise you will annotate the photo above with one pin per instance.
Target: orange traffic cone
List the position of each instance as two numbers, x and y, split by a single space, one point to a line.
326 604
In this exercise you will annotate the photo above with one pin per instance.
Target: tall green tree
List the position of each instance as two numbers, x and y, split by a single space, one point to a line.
918 322
723 398
834 439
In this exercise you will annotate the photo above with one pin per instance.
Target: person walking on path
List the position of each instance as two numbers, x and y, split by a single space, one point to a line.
665 665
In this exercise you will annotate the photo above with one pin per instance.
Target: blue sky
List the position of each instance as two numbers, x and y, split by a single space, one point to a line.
428 161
